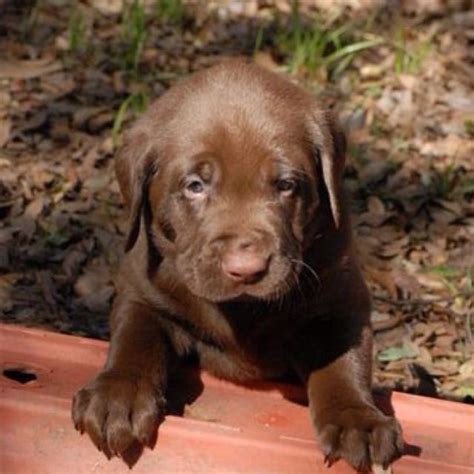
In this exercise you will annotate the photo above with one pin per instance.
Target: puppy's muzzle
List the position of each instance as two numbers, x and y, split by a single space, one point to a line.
245 260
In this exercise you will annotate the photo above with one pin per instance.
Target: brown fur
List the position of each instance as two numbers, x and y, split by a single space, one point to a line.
241 130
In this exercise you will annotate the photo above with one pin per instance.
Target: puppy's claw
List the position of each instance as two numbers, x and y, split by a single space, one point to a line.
106 452
329 460
79 427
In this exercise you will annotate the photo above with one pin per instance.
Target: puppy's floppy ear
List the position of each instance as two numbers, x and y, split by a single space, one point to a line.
134 167
330 142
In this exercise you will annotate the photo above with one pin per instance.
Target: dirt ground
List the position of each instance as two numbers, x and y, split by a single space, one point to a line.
400 76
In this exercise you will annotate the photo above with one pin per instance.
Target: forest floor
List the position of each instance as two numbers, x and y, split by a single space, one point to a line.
400 77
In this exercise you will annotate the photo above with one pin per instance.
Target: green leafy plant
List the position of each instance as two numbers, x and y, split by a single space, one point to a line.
406 351
327 45
467 186
133 33
450 274
76 30
444 183
137 103
258 40
378 128
170 11
445 271
408 55
469 127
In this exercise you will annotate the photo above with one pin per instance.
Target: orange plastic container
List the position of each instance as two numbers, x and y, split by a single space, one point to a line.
227 429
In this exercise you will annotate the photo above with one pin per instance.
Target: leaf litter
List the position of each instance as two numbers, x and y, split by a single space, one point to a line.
73 75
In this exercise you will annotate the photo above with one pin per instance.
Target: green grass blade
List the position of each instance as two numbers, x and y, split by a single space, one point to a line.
352 49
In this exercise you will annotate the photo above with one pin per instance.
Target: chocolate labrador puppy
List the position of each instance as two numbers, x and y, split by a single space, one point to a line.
239 250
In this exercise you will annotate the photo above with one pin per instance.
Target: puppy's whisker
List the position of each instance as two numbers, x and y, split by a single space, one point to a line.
298 285
294 274
306 277
311 271
285 290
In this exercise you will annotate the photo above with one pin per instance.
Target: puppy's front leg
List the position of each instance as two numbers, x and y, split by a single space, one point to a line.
348 425
123 403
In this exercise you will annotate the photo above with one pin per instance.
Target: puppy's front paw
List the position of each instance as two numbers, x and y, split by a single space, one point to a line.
117 410
362 436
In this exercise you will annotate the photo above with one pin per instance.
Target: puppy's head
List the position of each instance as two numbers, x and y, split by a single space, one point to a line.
230 175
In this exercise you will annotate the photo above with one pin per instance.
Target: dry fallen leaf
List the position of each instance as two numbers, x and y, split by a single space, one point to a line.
5 128
27 69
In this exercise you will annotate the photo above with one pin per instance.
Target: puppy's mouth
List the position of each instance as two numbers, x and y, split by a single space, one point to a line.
244 296
271 287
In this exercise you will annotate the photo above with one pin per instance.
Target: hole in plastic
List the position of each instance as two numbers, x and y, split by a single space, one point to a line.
20 375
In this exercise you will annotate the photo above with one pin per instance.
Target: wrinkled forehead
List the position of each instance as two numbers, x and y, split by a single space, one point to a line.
245 139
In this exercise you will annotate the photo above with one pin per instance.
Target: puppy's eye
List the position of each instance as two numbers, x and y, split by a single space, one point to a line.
194 188
285 186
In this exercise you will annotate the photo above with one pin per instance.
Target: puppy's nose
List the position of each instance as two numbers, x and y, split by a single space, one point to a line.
244 264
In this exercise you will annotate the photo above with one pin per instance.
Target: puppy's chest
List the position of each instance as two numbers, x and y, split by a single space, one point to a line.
235 343
255 346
